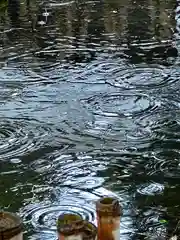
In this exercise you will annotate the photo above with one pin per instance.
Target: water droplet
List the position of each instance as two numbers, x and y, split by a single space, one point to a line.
85 182
41 23
151 189
16 160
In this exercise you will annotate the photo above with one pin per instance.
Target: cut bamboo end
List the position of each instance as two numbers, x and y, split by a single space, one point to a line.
11 226
70 227
109 213
89 231
73 227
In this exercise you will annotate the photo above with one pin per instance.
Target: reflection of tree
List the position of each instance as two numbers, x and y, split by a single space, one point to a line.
96 24
77 27
90 23
139 21
115 16
14 12
162 22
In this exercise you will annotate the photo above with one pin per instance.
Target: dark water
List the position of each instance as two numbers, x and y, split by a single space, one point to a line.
90 106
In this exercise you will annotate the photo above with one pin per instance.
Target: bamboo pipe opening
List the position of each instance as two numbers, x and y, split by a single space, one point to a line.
70 225
89 231
108 206
11 226
107 200
109 213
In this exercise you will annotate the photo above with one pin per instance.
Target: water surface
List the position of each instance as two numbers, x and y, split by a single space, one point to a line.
89 103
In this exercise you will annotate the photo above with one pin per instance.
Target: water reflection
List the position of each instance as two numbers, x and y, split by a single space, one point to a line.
90 107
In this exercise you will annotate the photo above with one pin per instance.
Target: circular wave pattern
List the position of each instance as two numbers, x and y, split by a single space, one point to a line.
75 171
139 77
117 104
45 217
18 137
119 117
150 189
100 69
42 217
108 131
85 182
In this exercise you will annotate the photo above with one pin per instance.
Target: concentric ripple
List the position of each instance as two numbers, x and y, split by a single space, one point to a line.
74 170
150 189
117 117
42 216
117 104
85 182
45 217
18 137
141 77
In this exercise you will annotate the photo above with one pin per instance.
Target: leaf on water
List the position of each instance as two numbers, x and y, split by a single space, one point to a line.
163 221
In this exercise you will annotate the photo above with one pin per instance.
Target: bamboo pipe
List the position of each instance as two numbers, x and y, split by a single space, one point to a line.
73 227
11 227
109 212
70 227
89 231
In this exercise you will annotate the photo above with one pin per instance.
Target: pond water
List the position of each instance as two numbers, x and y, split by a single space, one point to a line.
90 106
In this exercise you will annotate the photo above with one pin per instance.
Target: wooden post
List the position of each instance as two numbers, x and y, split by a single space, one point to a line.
11 227
109 212
70 227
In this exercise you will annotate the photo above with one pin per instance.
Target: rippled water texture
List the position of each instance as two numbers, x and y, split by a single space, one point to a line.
89 107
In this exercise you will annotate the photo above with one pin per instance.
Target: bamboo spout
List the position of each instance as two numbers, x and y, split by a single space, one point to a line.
11 227
70 227
73 227
89 231
109 213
